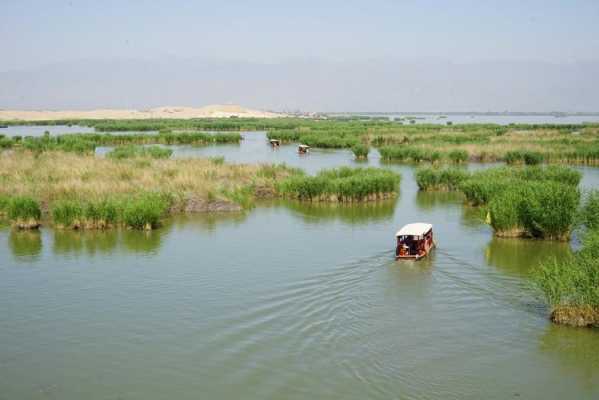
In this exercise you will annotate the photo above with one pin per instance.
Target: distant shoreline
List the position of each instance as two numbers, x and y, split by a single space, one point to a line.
477 113
212 111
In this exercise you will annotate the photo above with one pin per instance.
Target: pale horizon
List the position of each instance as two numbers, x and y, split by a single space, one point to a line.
339 57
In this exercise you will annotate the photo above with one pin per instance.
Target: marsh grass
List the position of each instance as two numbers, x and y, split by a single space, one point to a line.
87 142
90 192
571 287
342 185
590 210
409 153
483 185
130 151
67 214
360 151
517 143
529 201
523 156
4 201
429 178
24 212
458 156
145 211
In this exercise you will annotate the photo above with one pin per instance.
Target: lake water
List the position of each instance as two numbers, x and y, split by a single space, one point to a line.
286 301
32 130
493 119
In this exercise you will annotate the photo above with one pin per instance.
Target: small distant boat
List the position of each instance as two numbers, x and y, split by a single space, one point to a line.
303 148
414 241
3 126
275 142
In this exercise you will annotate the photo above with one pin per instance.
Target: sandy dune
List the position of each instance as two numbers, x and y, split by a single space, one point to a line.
212 111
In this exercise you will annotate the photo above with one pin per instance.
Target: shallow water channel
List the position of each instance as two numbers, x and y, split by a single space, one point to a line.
286 301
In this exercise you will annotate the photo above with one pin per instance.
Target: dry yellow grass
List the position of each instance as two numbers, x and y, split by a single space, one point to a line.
52 176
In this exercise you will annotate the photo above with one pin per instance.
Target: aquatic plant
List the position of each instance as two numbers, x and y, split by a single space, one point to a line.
533 158
458 156
87 142
549 209
483 185
130 151
504 212
145 211
4 201
360 151
6 143
590 210
76 214
429 178
538 202
102 214
570 287
24 212
545 210
67 214
532 143
101 186
284 135
329 141
342 185
217 160
409 153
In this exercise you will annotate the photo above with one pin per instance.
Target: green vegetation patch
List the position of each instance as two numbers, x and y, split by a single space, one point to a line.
409 153
360 151
24 212
429 178
145 211
571 288
342 185
130 151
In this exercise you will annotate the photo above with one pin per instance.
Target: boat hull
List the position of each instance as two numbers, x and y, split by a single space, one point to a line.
415 257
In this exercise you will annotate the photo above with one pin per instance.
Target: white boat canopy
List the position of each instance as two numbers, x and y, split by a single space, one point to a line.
416 229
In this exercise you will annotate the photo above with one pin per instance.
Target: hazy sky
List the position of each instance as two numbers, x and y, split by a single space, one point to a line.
333 55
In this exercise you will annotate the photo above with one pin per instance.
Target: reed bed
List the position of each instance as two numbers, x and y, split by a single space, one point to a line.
524 157
590 210
517 143
130 151
360 151
342 185
533 201
543 210
87 142
539 202
85 191
570 287
409 153
440 179
483 185
24 212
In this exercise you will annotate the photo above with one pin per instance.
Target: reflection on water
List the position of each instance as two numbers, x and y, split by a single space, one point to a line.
89 242
318 212
207 222
430 200
519 256
473 217
26 246
575 349
146 242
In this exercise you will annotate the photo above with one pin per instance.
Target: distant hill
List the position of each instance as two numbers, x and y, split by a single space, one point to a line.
211 111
